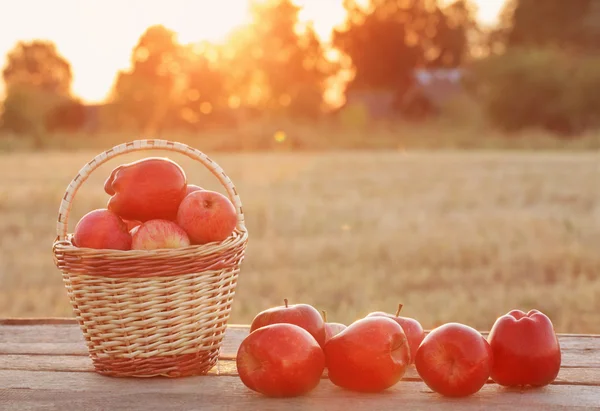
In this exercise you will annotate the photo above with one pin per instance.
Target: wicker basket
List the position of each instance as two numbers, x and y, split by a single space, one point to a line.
151 313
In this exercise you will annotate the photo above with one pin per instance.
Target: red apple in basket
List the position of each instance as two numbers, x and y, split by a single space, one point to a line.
331 329
156 234
191 188
454 360
412 328
526 349
370 355
147 189
280 360
102 229
302 315
207 216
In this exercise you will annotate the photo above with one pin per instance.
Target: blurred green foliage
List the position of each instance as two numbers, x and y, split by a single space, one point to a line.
539 87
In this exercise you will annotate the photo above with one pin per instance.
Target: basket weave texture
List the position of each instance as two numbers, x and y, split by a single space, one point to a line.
151 313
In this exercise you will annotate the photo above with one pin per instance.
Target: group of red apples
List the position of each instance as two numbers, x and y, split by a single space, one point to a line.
290 346
152 206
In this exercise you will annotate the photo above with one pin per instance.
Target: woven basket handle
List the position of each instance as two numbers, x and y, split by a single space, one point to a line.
141 145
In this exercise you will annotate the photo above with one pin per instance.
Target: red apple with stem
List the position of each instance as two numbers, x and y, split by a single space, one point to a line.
412 328
280 360
302 315
454 360
526 349
207 216
370 355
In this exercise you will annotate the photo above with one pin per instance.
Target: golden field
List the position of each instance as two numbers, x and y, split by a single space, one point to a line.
454 236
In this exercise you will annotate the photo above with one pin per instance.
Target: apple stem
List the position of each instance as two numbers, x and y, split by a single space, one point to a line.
399 309
324 315
285 302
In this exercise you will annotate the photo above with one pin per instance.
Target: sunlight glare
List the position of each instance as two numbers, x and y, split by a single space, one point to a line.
201 20
324 15
487 10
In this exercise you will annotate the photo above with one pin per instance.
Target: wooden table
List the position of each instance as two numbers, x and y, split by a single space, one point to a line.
44 366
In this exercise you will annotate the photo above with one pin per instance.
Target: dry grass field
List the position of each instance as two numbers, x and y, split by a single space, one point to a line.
454 236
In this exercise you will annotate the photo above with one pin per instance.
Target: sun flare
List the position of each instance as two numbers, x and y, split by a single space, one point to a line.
195 20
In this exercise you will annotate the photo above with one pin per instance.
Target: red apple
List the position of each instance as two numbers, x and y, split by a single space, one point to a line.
454 360
146 189
155 234
102 229
332 329
302 315
370 355
280 360
412 328
207 216
191 188
526 349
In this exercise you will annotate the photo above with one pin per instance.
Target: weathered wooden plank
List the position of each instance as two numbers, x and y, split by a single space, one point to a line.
28 390
77 363
60 363
580 357
67 339
579 351
55 333
67 332
44 348
578 376
74 363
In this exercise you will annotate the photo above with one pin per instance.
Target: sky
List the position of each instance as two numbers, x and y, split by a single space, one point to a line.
97 37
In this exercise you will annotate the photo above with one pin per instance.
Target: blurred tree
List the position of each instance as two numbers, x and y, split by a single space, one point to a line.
539 87
37 79
69 115
543 71
280 65
205 98
146 93
388 39
26 110
523 88
38 64
531 23
456 31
